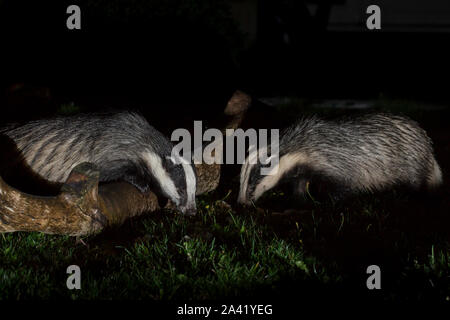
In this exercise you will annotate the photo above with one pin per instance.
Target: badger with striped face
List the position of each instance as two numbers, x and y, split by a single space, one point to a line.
368 153
122 145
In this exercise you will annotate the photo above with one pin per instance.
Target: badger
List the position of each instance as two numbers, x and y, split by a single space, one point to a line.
123 145
366 153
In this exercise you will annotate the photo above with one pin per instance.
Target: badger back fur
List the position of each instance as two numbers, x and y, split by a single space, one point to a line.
367 153
122 145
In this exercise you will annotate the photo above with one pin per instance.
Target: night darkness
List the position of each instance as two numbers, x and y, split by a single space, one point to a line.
157 53
176 61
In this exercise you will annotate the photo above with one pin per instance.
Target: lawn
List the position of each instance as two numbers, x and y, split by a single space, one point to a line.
278 250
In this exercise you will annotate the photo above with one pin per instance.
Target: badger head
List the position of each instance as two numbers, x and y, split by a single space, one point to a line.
176 179
254 181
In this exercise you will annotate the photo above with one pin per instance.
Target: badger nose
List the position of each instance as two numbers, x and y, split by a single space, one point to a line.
244 198
189 211
243 201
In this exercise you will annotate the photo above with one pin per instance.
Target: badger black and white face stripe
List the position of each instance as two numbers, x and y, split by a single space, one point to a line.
191 187
188 202
254 184
247 168
177 180
167 184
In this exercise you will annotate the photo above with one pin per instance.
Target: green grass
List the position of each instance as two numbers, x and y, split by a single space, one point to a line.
169 256
320 250
222 253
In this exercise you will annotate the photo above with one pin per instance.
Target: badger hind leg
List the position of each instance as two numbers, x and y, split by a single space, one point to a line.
435 178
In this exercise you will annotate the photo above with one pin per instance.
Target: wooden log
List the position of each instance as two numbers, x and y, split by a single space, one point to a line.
74 212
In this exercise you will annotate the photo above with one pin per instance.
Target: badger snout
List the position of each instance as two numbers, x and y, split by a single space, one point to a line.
243 200
190 210
241 197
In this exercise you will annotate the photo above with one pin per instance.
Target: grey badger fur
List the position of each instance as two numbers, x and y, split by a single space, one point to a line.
366 153
122 145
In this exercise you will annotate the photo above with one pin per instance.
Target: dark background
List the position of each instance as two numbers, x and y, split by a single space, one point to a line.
175 58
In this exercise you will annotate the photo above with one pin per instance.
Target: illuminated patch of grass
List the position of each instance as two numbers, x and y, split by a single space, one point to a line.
223 253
